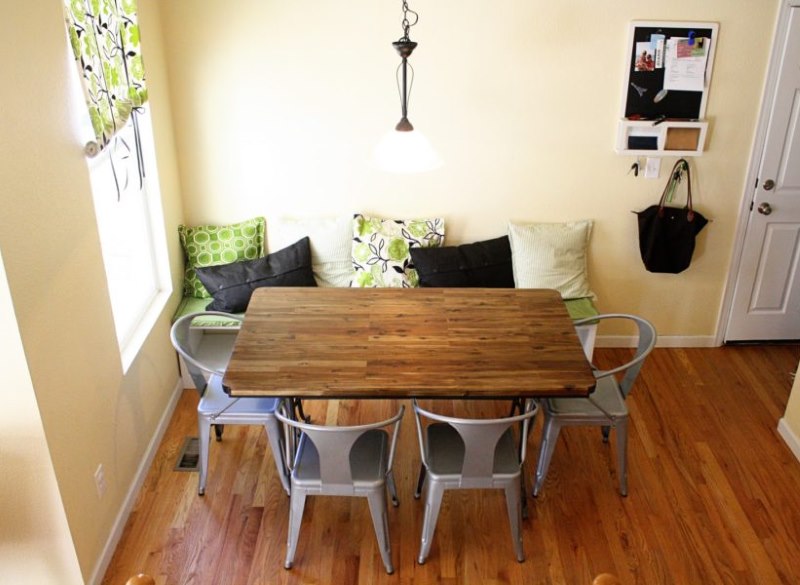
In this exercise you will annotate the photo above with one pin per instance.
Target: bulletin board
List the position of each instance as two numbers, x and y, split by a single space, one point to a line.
669 70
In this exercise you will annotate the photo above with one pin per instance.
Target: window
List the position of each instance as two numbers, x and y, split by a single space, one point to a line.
131 228
116 127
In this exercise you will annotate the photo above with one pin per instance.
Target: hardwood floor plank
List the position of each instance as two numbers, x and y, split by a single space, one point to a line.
714 495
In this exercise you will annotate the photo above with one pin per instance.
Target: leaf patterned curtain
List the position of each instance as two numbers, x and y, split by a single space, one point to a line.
104 35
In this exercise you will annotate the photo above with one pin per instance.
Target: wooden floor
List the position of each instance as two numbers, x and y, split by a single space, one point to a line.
714 496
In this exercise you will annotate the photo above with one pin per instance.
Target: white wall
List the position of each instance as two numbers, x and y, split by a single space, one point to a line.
278 105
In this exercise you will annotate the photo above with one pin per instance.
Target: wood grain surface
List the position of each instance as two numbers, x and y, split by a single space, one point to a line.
714 495
398 343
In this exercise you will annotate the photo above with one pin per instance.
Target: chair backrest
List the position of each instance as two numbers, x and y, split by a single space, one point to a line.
333 444
180 336
480 437
645 344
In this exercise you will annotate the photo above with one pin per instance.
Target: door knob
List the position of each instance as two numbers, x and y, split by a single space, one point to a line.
764 208
769 185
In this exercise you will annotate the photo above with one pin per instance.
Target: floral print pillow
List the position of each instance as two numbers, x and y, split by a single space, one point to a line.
381 255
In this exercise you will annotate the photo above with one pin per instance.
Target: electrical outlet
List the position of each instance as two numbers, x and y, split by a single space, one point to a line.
652 167
100 481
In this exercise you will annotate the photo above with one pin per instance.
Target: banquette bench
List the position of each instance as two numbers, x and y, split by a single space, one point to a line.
224 263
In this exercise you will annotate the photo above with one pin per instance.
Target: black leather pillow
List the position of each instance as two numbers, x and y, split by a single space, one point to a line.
480 264
233 284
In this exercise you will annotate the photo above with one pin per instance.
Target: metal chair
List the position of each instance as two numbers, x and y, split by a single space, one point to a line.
605 407
462 453
216 407
342 461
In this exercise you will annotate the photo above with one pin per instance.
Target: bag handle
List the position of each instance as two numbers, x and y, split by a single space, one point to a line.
674 179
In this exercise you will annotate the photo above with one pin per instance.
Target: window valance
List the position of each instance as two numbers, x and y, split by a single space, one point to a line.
104 35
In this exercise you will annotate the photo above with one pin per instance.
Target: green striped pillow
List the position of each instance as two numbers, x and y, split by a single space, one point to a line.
551 255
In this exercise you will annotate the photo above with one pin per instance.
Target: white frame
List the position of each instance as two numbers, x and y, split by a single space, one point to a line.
624 125
132 340
756 154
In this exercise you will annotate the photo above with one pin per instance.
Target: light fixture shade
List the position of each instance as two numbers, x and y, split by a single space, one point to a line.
406 152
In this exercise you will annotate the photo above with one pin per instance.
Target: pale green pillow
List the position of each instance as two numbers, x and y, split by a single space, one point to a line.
381 256
212 245
551 255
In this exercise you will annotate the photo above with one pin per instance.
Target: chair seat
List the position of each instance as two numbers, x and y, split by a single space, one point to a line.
369 460
215 401
446 452
606 394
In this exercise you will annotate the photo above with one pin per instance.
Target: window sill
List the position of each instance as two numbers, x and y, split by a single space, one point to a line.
133 345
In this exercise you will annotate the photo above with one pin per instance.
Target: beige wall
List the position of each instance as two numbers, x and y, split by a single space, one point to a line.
90 412
35 543
277 106
792 414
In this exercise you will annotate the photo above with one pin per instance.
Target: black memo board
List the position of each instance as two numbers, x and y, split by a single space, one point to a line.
686 105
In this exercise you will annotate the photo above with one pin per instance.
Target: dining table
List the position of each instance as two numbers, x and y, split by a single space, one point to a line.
393 343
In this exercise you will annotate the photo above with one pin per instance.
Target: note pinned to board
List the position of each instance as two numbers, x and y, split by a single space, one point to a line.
685 65
657 46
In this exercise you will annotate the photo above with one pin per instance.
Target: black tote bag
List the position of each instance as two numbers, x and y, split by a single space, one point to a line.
667 234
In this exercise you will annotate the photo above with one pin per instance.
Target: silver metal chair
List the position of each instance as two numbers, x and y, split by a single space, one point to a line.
605 407
460 453
216 407
342 461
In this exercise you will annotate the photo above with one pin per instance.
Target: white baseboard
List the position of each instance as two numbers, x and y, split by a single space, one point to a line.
138 479
788 435
663 341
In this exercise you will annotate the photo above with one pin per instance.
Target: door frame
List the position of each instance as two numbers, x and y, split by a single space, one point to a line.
756 154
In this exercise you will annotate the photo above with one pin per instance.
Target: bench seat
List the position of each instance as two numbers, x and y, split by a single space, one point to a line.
577 309
189 305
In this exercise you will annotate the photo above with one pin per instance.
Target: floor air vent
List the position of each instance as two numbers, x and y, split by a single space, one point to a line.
189 455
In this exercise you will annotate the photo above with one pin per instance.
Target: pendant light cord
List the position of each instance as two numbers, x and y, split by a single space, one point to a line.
407 24
404 86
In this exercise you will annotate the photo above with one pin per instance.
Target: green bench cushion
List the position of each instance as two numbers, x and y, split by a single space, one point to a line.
581 308
577 309
189 305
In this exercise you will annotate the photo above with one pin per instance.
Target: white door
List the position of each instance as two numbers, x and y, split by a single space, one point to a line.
766 298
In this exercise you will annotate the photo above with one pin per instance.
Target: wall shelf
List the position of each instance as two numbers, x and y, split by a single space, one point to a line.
668 138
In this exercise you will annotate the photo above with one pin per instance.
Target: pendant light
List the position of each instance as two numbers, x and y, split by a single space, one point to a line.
404 149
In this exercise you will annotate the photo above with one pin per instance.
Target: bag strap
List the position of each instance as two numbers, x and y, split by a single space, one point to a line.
672 183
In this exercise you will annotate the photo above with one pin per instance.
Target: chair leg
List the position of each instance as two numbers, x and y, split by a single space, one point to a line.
390 484
204 430
275 442
515 517
622 454
218 430
297 504
377 508
606 430
298 405
523 495
420 481
433 502
549 438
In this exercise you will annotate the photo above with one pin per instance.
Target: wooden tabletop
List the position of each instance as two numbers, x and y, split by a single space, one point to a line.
399 343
